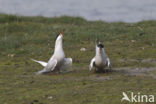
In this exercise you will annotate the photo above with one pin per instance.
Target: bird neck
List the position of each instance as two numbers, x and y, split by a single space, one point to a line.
102 54
58 47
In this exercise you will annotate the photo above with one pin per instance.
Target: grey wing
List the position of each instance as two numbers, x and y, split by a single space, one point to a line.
108 63
40 62
50 67
67 62
91 63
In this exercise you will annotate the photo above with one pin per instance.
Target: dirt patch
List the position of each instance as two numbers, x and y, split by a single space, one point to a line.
100 78
153 61
136 71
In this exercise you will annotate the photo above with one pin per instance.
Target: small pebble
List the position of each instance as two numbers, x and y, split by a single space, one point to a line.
83 49
50 97
132 41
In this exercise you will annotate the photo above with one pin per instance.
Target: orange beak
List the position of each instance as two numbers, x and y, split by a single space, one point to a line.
61 33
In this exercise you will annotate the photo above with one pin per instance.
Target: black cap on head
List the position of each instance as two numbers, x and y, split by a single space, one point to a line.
100 45
56 37
61 33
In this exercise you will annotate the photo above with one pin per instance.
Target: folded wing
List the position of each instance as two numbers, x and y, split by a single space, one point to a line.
91 64
51 65
49 68
108 63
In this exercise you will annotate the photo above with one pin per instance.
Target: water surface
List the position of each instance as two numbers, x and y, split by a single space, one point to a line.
106 10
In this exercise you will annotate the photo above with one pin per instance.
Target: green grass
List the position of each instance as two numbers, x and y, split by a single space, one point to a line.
22 38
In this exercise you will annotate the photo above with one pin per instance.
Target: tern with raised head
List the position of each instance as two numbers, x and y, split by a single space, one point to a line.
100 61
58 61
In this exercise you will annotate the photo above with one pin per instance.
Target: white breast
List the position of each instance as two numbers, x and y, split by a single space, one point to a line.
100 61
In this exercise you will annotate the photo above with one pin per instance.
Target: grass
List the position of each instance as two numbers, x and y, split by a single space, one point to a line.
22 38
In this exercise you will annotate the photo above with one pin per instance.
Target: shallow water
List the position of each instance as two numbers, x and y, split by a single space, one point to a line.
106 10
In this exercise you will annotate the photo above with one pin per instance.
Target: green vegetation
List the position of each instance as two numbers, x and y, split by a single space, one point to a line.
127 45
